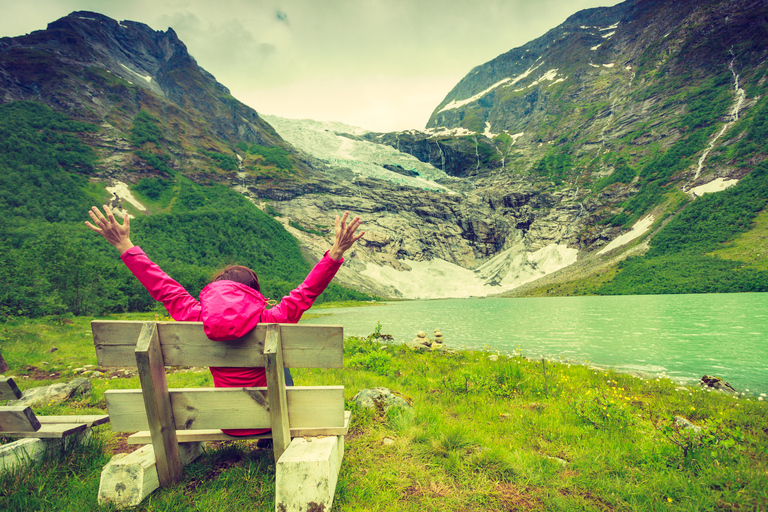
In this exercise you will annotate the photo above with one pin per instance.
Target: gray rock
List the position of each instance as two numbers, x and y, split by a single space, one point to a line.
717 383
53 394
381 399
686 424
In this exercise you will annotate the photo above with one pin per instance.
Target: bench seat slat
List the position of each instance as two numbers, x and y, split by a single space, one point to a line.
185 344
51 431
18 418
91 420
189 436
230 408
8 389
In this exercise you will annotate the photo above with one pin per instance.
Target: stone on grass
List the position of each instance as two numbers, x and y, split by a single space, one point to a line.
53 394
686 424
716 383
381 399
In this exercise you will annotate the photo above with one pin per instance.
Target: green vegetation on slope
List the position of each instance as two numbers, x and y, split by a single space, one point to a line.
50 263
680 259
37 145
500 435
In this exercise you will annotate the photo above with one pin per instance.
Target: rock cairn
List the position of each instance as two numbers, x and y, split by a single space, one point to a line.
423 342
438 343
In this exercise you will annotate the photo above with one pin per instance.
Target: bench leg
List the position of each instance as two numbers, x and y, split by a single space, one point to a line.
27 450
23 451
127 479
307 472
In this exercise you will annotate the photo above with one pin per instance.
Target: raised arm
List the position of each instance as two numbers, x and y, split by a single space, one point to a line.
301 299
179 303
113 232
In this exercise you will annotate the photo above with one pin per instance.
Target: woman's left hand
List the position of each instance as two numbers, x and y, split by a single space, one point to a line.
113 232
345 236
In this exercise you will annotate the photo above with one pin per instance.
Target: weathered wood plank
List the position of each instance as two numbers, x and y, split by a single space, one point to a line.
91 420
187 436
18 418
273 350
185 344
8 389
157 402
230 408
50 431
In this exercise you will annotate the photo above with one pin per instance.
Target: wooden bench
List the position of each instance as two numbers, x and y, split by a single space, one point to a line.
174 421
20 421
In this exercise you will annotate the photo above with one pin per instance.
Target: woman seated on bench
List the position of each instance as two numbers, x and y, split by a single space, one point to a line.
231 305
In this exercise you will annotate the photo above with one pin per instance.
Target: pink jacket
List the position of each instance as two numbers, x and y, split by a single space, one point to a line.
229 310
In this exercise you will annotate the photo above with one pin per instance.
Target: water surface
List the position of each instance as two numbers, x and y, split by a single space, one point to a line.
681 336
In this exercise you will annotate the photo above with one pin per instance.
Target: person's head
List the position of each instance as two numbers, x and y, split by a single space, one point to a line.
238 274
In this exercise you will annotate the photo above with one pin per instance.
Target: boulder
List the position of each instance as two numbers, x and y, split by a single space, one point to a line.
381 399
717 383
53 394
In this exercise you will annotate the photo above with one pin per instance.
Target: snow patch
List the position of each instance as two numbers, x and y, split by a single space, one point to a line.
608 35
549 75
639 229
488 132
511 81
596 47
148 78
449 132
716 185
439 279
609 65
558 81
516 136
594 65
120 191
612 27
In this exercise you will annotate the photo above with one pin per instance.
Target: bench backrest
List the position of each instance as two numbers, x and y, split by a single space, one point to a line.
151 346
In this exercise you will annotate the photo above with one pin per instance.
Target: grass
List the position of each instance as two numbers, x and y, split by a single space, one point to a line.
751 247
481 435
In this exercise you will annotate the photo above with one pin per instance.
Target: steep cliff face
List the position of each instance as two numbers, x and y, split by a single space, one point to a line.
623 61
100 70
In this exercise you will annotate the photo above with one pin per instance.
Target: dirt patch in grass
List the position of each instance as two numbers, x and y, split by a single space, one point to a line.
518 498
119 444
35 373
587 496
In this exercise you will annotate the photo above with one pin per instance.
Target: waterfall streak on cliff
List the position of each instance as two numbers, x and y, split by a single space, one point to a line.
740 97
442 156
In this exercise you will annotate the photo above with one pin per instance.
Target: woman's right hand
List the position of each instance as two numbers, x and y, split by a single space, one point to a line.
113 232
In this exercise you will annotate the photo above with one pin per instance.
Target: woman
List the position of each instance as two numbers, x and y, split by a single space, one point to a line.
231 305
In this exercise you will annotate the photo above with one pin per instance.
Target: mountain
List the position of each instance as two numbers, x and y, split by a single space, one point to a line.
585 161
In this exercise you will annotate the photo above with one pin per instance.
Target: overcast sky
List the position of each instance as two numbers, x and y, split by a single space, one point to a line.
383 65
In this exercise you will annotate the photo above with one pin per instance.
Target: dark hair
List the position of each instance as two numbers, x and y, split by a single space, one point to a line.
238 274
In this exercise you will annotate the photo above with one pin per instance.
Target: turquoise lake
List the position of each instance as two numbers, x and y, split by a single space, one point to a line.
681 336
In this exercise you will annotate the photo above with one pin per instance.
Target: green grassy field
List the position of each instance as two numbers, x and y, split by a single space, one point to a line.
509 434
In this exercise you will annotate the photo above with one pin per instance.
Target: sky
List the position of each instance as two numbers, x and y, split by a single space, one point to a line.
383 65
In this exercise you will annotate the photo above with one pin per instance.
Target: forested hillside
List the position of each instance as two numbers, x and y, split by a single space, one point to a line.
50 263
